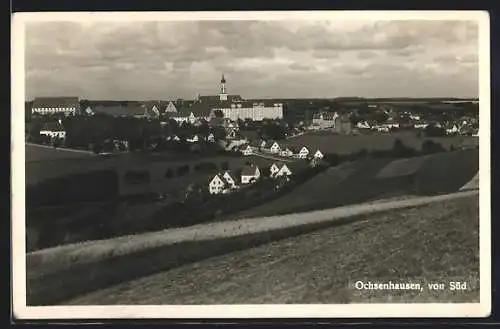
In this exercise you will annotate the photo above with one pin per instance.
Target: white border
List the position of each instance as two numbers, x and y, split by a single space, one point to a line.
21 311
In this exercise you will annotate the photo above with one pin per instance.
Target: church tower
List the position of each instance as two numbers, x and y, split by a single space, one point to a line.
223 93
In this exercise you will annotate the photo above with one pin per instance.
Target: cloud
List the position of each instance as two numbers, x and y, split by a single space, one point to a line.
165 60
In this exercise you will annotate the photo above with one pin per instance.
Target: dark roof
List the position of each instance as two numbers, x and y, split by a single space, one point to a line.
120 110
213 99
44 102
53 126
198 109
248 171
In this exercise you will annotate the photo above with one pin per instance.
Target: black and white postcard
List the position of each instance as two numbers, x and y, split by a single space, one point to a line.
315 164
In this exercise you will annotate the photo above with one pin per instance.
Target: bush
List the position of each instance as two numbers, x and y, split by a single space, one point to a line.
135 177
429 147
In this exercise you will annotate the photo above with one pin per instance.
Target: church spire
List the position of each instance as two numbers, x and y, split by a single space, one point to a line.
223 93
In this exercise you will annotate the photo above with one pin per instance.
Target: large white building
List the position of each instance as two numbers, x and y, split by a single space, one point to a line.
53 105
234 108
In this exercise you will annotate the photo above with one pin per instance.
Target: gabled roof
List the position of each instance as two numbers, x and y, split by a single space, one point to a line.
170 107
231 174
44 102
120 110
248 170
52 126
225 184
198 109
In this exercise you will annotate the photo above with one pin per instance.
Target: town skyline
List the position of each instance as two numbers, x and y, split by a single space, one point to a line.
260 59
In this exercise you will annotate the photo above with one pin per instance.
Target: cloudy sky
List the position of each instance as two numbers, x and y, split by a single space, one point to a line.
260 59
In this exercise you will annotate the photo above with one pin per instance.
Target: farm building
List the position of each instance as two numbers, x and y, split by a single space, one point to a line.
249 174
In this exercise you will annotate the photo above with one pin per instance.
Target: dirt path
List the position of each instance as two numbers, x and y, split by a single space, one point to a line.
58 258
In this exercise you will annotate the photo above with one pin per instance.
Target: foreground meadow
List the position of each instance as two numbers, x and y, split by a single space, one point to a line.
435 243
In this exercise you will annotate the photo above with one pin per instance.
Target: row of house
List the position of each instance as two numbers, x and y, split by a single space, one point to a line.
285 151
227 181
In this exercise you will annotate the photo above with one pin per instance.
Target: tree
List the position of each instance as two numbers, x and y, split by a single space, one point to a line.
224 165
169 173
429 147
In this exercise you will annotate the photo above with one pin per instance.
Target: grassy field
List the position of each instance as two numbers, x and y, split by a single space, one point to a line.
35 153
52 166
346 144
436 243
368 179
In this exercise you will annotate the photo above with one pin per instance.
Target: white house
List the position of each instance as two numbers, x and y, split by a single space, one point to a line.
420 125
193 139
174 138
218 185
286 152
453 130
250 173
230 179
275 148
53 130
273 170
171 108
415 117
318 155
211 138
89 111
283 171
247 150
363 125
304 152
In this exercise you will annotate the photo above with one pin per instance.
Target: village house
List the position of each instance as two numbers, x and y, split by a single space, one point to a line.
286 152
250 174
318 155
193 139
230 179
173 138
247 150
273 170
363 125
390 124
323 120
283 171
274 148
452 129
88 111
218 185
211 138
170 108
53 130
304 152
420 125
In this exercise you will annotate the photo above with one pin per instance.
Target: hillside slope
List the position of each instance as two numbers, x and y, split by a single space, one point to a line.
433 243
